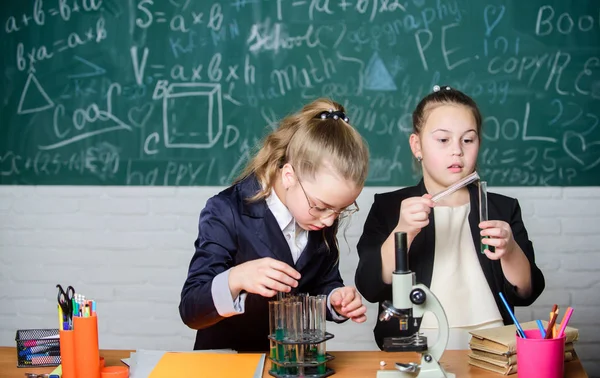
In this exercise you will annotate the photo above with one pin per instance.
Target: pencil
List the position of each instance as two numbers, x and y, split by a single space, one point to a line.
551 326
555 311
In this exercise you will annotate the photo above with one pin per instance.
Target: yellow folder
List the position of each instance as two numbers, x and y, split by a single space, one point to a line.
206 365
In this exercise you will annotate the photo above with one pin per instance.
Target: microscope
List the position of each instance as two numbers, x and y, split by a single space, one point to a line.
409 302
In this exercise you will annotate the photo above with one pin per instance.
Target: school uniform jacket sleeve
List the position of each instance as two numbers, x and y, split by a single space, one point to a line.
537 278
377 228
215 248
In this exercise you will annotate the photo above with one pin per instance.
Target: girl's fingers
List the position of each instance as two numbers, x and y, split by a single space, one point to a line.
492 255
361 311
275 285
359 319
494 232
285 268
281 277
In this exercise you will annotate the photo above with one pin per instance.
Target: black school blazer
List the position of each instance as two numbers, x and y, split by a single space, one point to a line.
232 231
383 218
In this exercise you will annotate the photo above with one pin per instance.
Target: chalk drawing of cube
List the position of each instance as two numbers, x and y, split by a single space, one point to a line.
192 115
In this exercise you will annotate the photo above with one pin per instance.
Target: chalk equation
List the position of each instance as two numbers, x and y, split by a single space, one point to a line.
181 92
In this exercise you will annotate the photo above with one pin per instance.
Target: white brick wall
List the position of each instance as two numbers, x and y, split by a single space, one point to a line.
129 248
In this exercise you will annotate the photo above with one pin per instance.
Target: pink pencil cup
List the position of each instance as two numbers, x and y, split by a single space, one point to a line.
537 357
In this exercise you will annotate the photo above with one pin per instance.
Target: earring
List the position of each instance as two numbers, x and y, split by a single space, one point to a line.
419 159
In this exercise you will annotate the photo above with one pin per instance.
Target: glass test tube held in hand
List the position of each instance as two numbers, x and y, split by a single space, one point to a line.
483 212
456 186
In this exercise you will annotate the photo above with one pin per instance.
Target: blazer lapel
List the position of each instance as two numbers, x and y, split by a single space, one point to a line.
313 247
264 222
421 261
270 234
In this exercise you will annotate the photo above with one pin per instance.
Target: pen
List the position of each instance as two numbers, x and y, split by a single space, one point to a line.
38 349
514 318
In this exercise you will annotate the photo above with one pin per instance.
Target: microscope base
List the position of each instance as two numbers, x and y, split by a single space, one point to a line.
428 369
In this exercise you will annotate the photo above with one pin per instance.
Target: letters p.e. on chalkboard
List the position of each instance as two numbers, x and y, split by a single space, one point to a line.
178 92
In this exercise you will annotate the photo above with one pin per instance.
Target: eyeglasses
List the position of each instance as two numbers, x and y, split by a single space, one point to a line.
326 212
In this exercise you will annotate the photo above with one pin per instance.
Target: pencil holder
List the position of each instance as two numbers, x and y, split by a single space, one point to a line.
539 357
67 353
298 337
87 353
37 347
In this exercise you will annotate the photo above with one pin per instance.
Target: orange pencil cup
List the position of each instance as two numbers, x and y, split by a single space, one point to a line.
538 357
67 353
87 353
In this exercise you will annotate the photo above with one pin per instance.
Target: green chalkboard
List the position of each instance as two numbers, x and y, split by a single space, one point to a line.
178 92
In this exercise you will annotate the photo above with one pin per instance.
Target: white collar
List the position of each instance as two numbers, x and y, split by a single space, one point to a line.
279 210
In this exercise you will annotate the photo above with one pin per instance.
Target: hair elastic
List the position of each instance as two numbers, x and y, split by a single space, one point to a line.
436 88
338 114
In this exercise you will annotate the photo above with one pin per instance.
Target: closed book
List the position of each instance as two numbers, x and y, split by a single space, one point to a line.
503 341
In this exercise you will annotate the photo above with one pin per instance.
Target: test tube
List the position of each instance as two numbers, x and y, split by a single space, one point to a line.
276 325
303 298
310 350
293 321
454 187
321 324
483 211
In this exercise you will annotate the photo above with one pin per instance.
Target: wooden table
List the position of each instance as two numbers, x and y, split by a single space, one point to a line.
345 364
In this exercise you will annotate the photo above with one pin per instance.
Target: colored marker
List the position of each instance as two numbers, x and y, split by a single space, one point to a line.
514 318
541 328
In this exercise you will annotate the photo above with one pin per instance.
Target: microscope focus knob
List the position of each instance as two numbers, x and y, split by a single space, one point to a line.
417 296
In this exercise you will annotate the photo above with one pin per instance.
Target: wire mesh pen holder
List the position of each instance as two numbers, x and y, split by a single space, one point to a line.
298 336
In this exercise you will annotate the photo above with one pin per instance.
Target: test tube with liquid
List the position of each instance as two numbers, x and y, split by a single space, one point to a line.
321 324
276 325
293 321
483 211
310 350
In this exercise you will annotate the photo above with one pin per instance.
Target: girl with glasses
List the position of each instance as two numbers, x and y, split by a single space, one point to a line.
275 229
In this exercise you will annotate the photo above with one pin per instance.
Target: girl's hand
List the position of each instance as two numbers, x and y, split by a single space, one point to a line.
347 302
414 215
265 277
500 236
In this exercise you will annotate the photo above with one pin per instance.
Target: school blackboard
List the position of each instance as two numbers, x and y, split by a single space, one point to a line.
178 92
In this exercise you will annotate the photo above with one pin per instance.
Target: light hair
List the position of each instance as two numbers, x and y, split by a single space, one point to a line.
310 143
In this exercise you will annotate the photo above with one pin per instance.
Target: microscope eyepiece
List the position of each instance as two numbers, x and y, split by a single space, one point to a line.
401 245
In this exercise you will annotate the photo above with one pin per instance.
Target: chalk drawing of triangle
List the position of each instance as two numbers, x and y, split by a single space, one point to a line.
377 76
35 102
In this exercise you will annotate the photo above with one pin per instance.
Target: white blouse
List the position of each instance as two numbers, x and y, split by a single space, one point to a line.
458 281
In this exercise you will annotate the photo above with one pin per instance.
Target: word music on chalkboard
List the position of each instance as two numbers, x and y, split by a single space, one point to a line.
180 92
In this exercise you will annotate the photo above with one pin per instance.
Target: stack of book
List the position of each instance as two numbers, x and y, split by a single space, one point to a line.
495 348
